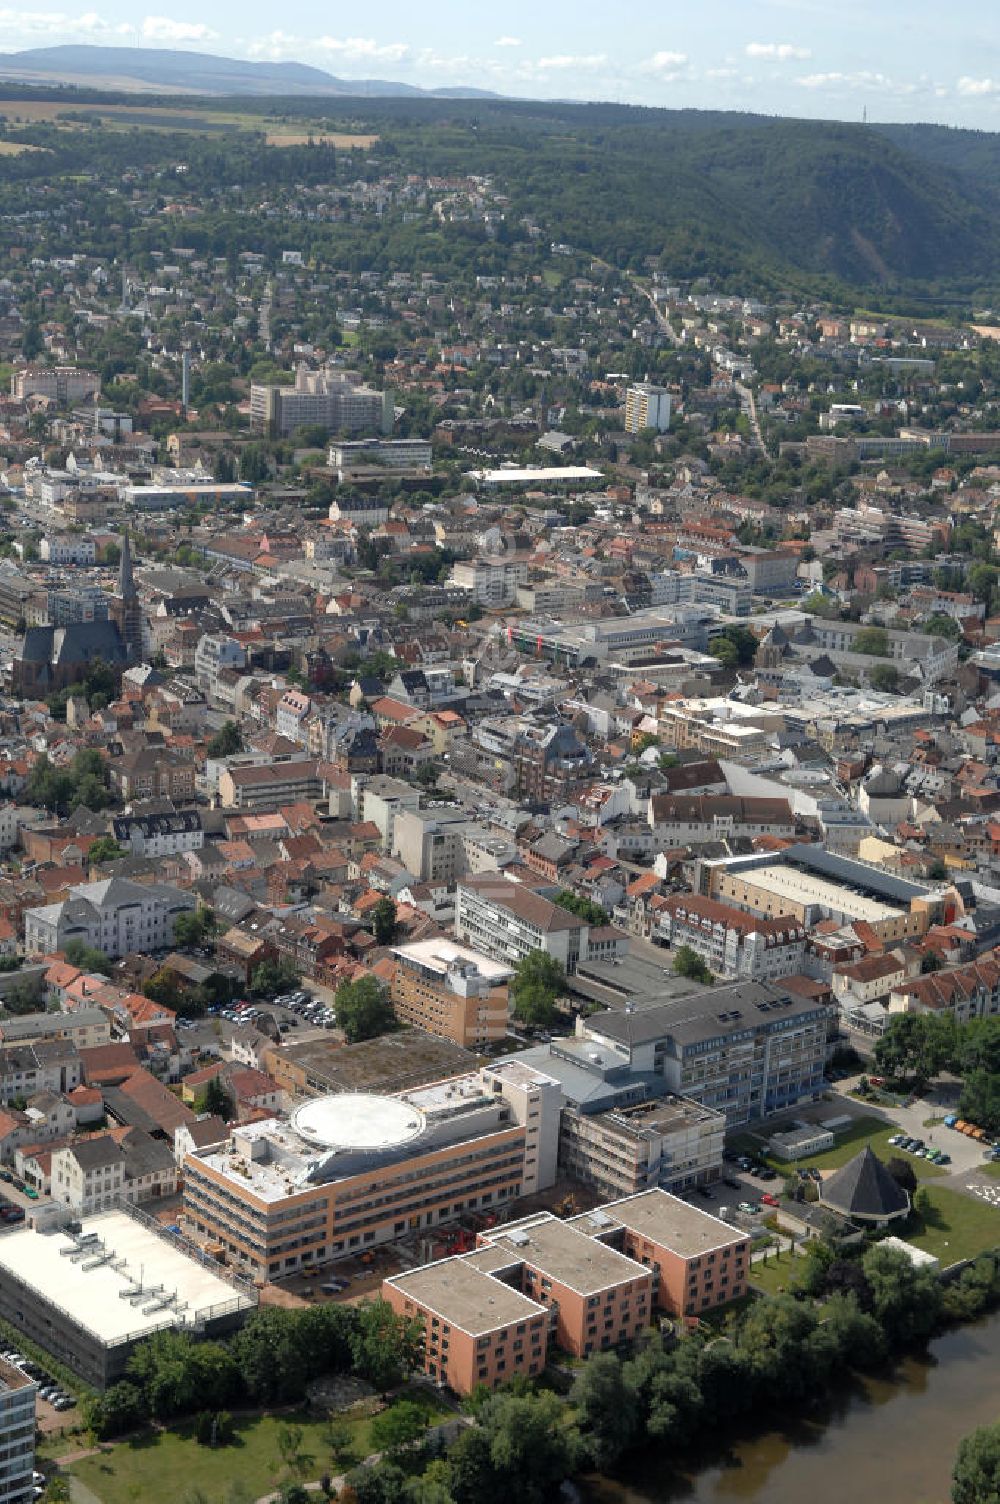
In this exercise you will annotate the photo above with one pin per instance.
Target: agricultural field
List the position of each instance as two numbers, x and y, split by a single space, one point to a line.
65 116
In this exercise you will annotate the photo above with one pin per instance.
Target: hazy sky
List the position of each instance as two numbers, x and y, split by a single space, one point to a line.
900 59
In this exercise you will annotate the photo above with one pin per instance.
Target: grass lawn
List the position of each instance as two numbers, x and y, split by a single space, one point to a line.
955 1226
874 1131
777 1274
156 1467
991 1167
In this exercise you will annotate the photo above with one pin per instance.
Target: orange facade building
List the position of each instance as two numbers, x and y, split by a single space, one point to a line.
585 1285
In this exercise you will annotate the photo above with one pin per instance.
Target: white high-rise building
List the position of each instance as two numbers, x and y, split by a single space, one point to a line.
647 406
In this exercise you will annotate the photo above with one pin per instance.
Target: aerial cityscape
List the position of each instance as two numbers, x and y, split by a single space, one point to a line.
499 766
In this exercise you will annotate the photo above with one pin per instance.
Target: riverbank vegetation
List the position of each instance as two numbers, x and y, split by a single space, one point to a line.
843 1314
976 1478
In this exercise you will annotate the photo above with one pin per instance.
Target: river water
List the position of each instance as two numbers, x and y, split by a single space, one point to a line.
892 1441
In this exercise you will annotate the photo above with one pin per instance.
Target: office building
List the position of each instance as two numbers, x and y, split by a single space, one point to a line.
506 922
334 400
448 990
491 582
745 1049
61 384
670 1142
353 1171
371 458
583 1286
647 406
733 943
807 883
115 916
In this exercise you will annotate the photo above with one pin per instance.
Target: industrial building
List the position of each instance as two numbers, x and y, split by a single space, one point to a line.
89 1297
809 884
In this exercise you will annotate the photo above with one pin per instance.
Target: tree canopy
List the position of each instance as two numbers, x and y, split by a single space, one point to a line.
363 1009
534 988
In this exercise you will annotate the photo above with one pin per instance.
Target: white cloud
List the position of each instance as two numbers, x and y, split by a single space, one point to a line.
871 82
565 62
722 73
777 52
664 62
164 29
507 42
977 88
358 49
38 23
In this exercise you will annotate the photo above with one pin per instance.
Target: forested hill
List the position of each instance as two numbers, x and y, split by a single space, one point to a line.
747 200
731 194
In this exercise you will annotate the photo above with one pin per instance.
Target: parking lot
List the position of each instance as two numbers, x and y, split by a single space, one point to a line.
290 1011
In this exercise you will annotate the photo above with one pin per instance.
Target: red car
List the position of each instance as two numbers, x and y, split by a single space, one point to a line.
770 1200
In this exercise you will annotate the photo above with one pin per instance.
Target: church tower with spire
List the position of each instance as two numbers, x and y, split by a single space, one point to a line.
126 612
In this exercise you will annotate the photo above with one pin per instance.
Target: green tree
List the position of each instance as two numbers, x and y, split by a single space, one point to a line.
363 1009
121 1408
87 957
688 963
940 625
916 1046
903 1173
377 1483
530 1443
976 1475
874 641
884 677
906 1302
384 1346
584 908
534 988
384 920
105 849
398 1427
607 1409
272 977
193 928
216 1100
226 741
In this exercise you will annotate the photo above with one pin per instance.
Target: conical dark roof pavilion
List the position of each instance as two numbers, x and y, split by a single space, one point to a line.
864 1190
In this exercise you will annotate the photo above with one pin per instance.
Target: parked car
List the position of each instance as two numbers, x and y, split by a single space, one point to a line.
769 1199
766 1173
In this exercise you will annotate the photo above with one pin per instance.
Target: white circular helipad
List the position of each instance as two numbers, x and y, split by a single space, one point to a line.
358 1120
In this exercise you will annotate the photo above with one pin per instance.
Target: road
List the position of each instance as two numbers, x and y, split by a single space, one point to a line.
661 319
748 403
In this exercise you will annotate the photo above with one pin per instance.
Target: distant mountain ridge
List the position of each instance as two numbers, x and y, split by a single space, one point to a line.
144 68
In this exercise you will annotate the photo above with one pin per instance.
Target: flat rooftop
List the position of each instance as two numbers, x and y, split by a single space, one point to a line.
392 1061
459 1293
664 1219
669 1114
566 1253
12 1379
809 888
439 956
124 1284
